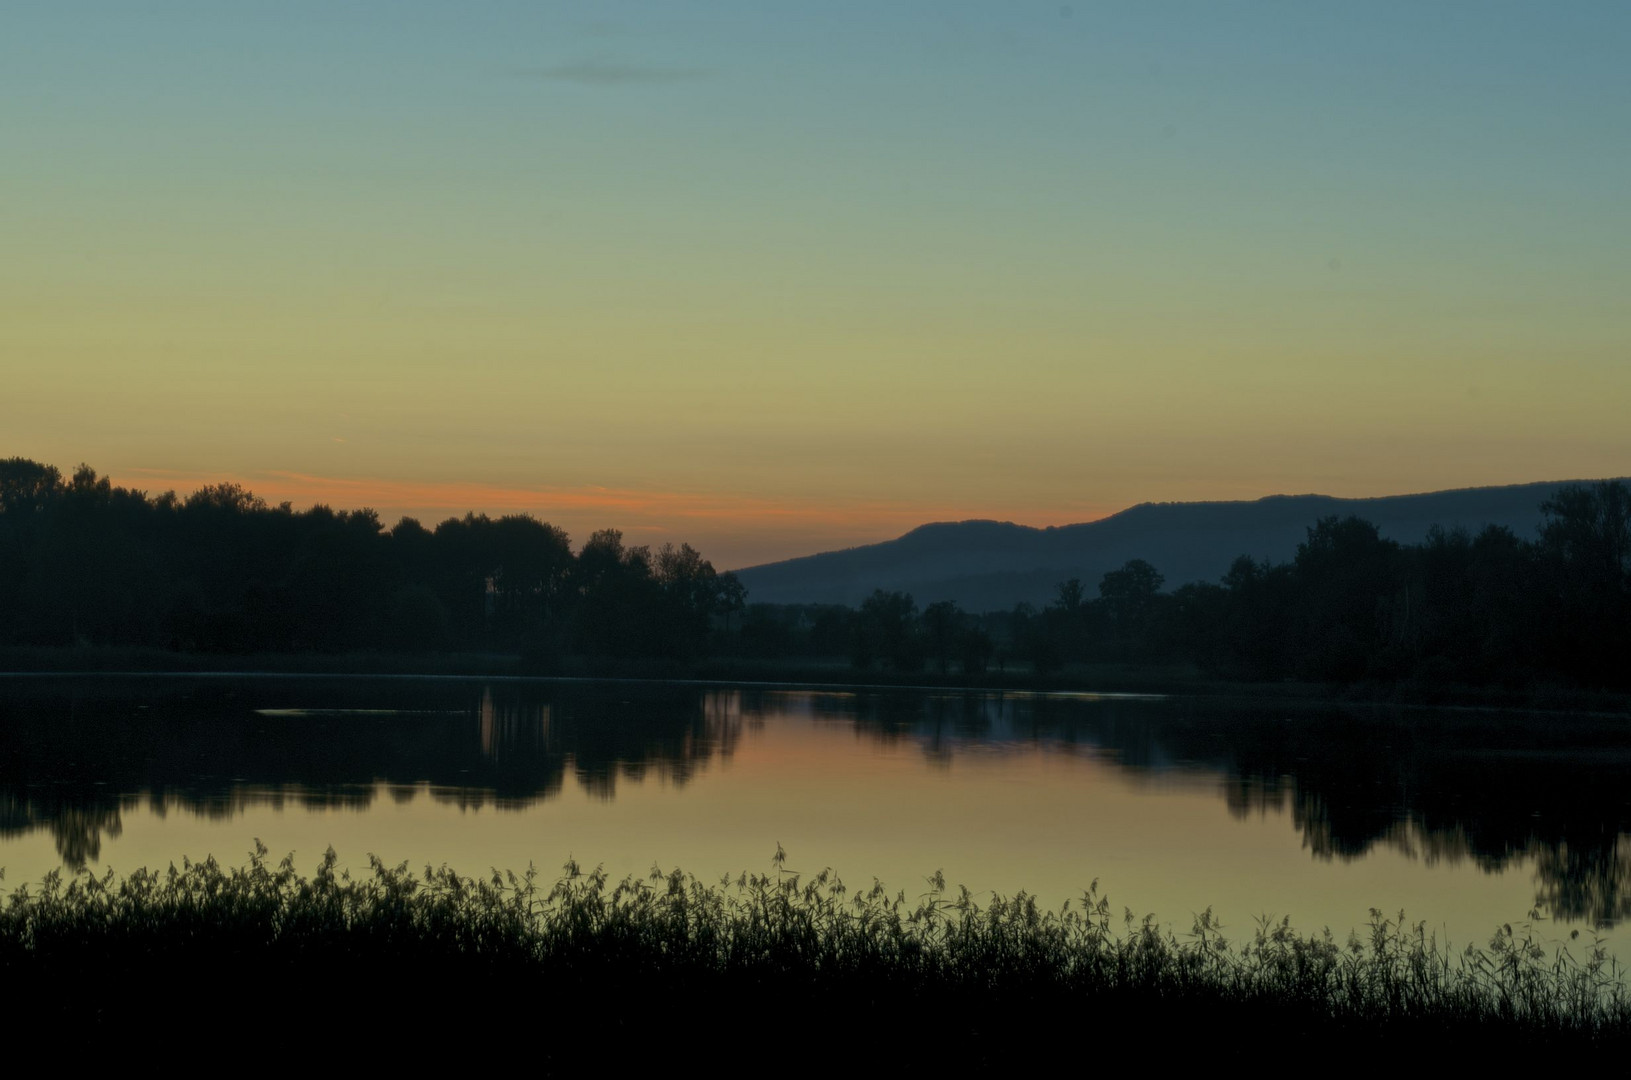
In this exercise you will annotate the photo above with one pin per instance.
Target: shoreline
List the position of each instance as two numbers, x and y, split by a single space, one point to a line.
1092 681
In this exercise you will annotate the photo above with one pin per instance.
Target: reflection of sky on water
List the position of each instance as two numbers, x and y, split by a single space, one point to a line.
1322 812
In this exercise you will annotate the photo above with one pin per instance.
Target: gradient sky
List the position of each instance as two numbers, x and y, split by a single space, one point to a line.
775 278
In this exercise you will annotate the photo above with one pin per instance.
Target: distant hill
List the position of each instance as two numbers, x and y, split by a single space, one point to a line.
992 565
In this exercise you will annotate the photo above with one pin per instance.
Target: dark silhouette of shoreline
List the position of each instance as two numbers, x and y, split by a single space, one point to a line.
92 570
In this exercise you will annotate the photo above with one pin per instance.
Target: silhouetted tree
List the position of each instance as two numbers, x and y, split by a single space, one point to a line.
975 650
418 621
1129 596
733 596
833 630
886 629
1589 528
942 627
27 486
1256 638
1068 625
1585 546
690 591
1345 571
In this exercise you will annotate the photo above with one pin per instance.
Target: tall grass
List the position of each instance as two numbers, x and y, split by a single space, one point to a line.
753 962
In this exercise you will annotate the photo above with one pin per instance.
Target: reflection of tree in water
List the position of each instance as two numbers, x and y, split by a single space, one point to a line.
1256 796
939 723
531 743
72 762
1496 790
1594 883
1520 801
77 825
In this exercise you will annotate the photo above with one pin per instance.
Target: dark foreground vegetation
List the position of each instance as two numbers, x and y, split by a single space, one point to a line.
797 967
219 573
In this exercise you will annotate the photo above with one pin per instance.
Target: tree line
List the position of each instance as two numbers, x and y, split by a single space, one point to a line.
85 562
1489 608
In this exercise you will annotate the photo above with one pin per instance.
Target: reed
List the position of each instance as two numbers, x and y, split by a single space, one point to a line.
775 956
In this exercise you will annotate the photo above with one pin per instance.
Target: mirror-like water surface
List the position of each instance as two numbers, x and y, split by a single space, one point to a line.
1464 819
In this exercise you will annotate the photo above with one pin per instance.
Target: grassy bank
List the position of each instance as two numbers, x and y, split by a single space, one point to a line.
596 972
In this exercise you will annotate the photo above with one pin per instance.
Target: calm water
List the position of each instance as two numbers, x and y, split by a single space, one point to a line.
1463 819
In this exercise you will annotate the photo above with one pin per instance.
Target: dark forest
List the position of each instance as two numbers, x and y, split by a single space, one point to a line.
86 563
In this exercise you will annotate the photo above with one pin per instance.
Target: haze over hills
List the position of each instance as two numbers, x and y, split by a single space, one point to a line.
992 565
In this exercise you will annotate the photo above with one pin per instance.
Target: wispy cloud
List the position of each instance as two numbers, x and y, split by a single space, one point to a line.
614 73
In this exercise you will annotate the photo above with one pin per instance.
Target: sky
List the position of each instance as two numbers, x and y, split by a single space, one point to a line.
777 278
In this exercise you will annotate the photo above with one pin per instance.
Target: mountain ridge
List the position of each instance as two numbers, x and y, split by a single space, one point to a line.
984 564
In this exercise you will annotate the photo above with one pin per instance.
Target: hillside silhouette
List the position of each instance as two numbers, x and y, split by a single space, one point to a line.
993 565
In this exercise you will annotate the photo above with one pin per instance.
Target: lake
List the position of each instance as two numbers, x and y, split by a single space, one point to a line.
1464 819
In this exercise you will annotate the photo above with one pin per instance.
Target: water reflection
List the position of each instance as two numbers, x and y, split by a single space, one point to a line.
74 760
1489 790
